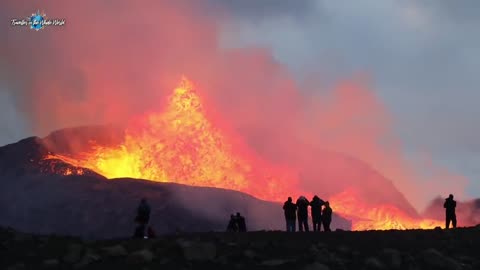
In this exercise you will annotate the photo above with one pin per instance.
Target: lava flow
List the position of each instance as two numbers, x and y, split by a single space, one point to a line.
182 145
379 217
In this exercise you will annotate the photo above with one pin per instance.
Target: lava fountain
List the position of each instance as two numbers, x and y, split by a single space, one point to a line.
184 144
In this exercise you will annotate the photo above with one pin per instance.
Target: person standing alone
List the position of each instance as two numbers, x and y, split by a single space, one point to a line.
450 215
142 218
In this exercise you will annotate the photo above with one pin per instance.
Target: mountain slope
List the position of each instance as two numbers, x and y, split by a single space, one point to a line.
92 207
353 187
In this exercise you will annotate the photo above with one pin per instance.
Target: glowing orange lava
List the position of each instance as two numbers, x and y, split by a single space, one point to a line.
379 217
181 145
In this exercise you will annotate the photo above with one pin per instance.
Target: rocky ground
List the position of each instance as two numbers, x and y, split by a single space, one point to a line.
415 249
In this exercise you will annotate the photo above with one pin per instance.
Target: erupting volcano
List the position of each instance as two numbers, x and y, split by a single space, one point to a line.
185 143
181 145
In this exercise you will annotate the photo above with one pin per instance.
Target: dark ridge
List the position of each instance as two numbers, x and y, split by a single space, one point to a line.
97 208
27 157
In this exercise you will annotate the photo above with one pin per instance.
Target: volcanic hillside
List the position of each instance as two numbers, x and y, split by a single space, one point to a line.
187 144
93 207
50 196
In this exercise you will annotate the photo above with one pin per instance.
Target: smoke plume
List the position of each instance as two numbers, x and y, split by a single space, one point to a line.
114 60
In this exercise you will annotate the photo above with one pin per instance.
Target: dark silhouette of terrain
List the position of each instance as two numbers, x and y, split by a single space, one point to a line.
26 157
99 208
412 249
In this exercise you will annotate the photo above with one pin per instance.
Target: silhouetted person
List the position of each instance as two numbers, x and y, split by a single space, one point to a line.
242 226
232 224
316 210
143 212
327 217
302 213
142 218
290 210
450 216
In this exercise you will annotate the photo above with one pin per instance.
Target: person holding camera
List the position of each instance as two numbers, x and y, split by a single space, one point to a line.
449 206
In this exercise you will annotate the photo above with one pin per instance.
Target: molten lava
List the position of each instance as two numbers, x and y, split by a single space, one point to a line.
182 145
379 217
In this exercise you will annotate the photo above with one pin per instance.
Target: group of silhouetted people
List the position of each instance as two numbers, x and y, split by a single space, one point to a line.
237 223
299 211
321 214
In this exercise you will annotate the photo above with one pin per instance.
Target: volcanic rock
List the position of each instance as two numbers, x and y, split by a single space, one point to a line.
321 255
27 157
435 259
250 254
316 266
141 256
392 258
161 253
373 263
275 262
22 237
17 266
89 258
195 251
74 253
344 250
51 263
115 251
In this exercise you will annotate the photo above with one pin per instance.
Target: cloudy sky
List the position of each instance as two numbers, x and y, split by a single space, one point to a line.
422 58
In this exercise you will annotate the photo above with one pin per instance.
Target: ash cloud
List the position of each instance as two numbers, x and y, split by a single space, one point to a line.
423 61
258 10
117 60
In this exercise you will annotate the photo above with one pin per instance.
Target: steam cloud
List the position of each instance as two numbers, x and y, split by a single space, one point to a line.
116 59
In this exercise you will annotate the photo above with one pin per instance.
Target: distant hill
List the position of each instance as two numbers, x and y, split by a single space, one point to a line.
26 157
